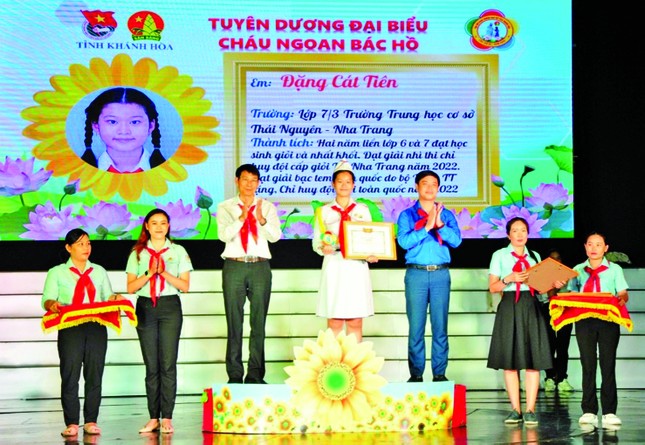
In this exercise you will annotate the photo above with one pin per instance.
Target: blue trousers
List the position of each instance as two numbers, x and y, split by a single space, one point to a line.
159 329
427 292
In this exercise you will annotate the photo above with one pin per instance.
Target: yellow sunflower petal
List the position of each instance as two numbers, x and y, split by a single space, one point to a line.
189 154
46 113
84 78
368 382
359 406
357 355
155 185
337 414
372 365
145 69
131 185
67 86
122 70
101 70
160 79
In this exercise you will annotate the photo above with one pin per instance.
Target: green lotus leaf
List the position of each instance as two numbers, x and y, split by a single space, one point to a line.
563 156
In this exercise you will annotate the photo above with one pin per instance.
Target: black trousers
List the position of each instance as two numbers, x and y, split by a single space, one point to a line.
602 336
81 347
159 329
559 342
241 281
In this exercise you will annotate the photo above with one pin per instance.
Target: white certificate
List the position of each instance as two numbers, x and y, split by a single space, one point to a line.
365 239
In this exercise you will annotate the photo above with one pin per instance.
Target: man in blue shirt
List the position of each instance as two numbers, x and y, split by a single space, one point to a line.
427 230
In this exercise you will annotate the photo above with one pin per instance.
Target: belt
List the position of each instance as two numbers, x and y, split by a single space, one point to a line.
248 259
429 268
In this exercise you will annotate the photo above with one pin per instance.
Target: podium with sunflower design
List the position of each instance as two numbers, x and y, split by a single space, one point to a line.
333 386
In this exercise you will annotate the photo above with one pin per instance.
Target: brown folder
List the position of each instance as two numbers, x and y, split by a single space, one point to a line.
544 273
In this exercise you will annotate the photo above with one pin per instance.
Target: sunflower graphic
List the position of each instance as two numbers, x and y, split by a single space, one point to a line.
49 124
336 379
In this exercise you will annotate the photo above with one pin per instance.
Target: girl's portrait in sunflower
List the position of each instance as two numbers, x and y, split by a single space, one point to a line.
122 132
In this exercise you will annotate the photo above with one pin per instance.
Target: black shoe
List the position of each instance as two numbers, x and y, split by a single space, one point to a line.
253 380
235 380
439 378
415 379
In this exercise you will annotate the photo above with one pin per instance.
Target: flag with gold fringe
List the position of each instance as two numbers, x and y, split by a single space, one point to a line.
566 308
106 313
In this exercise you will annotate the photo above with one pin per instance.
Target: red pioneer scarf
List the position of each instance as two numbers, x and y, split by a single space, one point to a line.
250 226
84 283
344 216
111 169
153 281
423 221
520 264
593 282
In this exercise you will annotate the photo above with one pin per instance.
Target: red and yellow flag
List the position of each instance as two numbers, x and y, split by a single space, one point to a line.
566 308
107 313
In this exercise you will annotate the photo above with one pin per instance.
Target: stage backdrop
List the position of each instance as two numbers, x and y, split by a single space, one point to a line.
111 108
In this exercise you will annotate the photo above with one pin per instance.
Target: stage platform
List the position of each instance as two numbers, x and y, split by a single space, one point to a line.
40 422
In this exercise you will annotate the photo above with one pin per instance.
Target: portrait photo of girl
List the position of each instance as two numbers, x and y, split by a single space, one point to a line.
122 132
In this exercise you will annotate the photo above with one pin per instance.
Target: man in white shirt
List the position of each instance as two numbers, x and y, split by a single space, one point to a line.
247 224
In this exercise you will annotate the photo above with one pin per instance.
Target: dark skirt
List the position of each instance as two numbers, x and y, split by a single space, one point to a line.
520 338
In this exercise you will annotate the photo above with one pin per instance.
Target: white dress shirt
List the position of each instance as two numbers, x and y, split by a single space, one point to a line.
229 225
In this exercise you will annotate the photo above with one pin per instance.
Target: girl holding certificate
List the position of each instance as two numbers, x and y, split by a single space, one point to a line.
520 339
594 334
79 283
345 292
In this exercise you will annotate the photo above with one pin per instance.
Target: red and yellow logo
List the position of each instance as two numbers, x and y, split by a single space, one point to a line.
145 25
99 25
491 30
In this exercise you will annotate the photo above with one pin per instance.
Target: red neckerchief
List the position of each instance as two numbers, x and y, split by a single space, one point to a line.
111 169
344 216
593 282
423 221
250 225
84 282
153 281
520 264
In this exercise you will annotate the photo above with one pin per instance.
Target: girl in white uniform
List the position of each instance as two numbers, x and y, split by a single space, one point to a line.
345 293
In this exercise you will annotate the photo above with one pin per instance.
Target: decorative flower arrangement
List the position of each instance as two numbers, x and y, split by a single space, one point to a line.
335 388
336 378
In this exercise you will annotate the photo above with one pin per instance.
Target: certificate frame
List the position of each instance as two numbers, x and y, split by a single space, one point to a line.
543 274
364 239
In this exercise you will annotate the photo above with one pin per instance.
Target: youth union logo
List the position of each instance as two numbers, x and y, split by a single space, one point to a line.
99 25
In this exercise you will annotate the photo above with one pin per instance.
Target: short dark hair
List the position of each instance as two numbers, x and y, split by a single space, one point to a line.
337 172
424 173
74 235
594 232
249 168
513 221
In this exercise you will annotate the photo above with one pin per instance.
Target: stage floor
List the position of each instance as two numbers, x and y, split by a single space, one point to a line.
40 422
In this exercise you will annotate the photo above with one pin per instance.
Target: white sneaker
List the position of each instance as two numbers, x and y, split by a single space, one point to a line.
588 419
549 385
565 386
611 419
